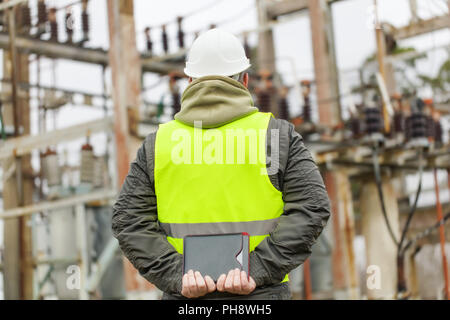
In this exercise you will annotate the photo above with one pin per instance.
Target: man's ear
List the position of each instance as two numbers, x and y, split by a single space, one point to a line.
190 79
245 80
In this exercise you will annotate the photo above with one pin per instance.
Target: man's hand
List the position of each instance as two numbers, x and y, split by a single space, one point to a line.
194 285
236 282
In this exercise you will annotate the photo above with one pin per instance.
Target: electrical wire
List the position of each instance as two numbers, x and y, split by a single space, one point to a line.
401 250
208 6
427 231
187 15
233 18
160 81
3 133
68 5
376 167
237 16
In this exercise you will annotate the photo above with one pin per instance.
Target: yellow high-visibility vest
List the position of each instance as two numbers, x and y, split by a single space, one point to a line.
212 181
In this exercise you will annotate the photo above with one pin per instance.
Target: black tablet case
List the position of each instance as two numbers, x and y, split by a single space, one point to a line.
214 255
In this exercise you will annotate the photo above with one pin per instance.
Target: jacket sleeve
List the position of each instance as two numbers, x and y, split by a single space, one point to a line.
135 225
306 210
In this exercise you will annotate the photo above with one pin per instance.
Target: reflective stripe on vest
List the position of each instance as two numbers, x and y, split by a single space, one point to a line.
210 181
255 228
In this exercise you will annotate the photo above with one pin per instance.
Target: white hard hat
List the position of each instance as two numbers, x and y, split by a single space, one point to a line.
216 52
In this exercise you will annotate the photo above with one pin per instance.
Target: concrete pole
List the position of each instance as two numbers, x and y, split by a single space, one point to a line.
386 69
337 183
381 52
266 52
441 237
345 275
11 240
266 49
126 74
18 187
348 228
381 251
413 9
26 240
325 69
307 289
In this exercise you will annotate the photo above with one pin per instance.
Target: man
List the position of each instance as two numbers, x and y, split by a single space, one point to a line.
204 173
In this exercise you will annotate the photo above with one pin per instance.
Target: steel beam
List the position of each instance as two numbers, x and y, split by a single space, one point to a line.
381 250
10 4
325 69
126 82
25 144
102 264
280 8
421 27
19 270
88 55
266 50
388 165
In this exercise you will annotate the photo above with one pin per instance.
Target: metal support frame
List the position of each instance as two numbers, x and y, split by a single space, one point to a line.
326 78
126 82
421 27
18 275
24 145
280 8
58 204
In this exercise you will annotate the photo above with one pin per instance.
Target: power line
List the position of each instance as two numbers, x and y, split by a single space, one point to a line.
376 166
69 5
427 232
401 251
210 5
237 16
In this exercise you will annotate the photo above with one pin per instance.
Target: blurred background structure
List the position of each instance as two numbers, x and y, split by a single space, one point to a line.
366 83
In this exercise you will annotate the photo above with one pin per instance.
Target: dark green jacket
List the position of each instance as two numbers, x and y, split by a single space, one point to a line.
216 101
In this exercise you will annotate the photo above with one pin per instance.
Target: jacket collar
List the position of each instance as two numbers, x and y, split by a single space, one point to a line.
215 101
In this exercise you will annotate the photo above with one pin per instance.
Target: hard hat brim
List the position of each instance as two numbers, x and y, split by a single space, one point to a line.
191 74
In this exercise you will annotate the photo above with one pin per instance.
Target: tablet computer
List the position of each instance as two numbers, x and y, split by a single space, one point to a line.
214 255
